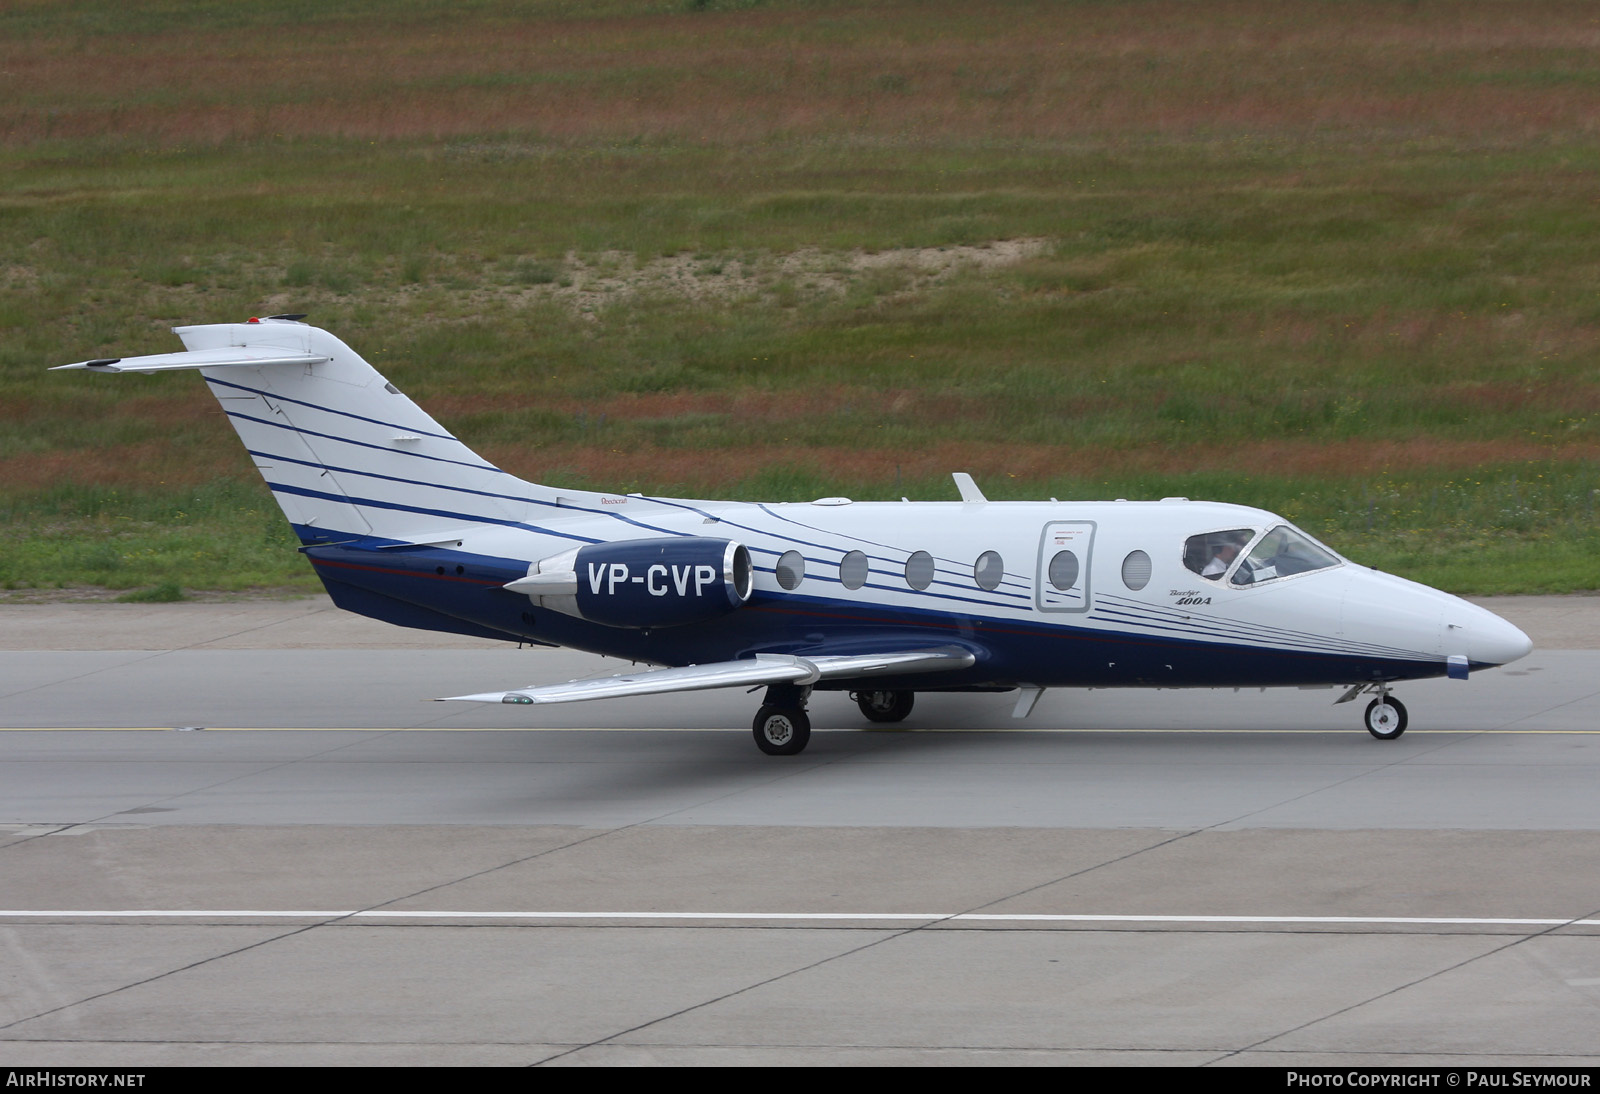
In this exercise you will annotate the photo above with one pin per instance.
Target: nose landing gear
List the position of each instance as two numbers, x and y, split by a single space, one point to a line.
1386 716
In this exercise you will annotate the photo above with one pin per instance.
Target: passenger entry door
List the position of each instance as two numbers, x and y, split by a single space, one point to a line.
1061 578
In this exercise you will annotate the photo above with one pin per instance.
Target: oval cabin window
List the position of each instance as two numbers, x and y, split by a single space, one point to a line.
791 569
1064 570
919 570
853 570
1136 570
988 571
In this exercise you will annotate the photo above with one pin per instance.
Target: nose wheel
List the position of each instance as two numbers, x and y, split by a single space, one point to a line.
1386 718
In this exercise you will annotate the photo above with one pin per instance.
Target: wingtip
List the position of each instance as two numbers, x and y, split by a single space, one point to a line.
482 697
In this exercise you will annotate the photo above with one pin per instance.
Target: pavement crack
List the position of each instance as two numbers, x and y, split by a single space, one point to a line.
890 937
1366 773
1435 974
642 822
257 769
1589 697
159 976
56 682
774 978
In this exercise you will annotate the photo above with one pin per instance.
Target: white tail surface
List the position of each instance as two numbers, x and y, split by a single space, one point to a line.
345 453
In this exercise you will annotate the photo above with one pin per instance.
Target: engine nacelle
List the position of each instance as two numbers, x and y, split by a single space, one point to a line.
643 583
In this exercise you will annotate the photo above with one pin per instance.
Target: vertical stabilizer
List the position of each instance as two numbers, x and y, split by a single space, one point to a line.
345 453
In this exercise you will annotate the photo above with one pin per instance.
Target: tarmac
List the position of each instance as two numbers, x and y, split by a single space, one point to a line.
235 834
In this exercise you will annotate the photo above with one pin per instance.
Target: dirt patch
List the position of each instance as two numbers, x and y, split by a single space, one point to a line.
587 283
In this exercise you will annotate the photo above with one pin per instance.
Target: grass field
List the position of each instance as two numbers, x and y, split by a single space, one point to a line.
1337 259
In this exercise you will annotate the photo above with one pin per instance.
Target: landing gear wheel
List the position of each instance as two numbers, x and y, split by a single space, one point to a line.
781 731
885 706
1386 718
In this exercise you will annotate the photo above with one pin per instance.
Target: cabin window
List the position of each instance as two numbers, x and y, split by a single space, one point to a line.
1211 553
853 570
919 570
791 569
1283 552
988 571
1064 570
1136 570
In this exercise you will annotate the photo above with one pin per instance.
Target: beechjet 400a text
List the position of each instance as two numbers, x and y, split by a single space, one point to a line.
404 523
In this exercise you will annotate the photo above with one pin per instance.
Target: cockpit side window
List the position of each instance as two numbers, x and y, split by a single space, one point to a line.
1283 552
1211 553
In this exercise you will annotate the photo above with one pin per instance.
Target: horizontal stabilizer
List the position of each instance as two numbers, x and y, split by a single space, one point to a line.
765 668
200 358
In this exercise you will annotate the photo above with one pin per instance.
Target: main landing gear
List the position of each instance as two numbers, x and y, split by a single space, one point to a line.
781 727
885 706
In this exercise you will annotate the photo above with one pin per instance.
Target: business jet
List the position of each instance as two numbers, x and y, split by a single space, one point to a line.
404 523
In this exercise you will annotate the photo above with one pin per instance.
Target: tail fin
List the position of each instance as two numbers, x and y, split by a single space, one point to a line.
345 453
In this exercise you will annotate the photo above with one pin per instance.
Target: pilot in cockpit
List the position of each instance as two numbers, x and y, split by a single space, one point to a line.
1211 554
1221 559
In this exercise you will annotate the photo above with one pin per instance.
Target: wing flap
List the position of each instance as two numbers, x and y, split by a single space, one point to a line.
199 358
764 668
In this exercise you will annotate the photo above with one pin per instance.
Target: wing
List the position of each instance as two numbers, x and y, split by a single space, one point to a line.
764 668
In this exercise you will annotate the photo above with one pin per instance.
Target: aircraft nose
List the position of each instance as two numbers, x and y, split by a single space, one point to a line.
1493 641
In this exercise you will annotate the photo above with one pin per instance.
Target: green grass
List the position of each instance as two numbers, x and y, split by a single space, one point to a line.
168 592
226 535
1334 259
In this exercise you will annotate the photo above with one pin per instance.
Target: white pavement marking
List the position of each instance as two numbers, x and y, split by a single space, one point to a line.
791 917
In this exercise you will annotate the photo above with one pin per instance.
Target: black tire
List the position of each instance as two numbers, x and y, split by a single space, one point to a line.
885 706
781 731
1386 718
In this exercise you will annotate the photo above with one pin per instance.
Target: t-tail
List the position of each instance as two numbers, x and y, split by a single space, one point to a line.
347 456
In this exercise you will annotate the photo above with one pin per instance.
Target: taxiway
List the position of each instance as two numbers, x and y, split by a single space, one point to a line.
239 834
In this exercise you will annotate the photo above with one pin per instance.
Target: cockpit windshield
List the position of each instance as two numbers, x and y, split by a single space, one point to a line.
1283 552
